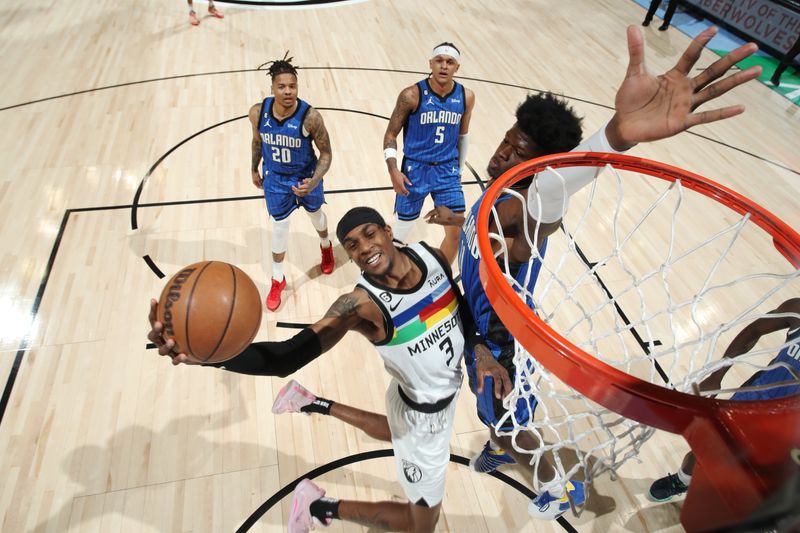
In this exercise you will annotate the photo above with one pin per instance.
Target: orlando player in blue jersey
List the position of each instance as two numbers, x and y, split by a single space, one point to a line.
784 368
434 116
648 108
283 129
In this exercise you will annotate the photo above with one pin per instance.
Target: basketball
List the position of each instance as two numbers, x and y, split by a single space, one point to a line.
211 309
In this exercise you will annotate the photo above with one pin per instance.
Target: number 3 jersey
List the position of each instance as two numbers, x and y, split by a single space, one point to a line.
424 340
285 148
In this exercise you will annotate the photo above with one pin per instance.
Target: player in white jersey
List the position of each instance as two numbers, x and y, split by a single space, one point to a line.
407 305
780 379
648 108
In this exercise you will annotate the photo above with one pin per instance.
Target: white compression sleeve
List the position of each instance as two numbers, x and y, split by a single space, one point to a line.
401 229
280 235
318 220
463 143
549 194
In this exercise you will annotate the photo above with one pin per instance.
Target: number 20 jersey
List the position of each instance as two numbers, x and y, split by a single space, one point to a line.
284 148
424 340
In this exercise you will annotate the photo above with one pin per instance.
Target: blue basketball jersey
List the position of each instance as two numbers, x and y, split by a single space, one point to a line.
469 259
790 355
284 148
430 134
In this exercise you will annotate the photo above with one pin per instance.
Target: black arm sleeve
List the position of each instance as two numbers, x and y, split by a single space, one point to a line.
275 358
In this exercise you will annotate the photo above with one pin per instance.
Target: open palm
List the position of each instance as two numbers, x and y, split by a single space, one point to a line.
650 108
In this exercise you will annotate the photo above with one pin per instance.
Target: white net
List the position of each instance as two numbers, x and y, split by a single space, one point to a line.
654 279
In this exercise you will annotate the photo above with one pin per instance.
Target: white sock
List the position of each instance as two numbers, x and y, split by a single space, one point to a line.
557 491
277 271
325 242
684 477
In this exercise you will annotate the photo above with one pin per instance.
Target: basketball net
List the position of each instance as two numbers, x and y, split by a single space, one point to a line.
649 277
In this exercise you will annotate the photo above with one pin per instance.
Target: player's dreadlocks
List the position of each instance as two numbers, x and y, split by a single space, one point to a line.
280 66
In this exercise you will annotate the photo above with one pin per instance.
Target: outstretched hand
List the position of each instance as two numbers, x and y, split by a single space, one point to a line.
165 347
649 107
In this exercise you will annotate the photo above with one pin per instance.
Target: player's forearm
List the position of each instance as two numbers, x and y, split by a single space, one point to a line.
390 151
276 358
323 165
255 148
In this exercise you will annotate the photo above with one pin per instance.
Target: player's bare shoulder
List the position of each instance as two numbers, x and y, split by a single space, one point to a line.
469 96
408 99
255 111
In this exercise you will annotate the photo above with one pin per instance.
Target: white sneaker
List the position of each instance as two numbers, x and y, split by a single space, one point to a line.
547 507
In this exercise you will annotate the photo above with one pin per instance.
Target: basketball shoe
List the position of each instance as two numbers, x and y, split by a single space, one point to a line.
548 507
292 398
665 488
327 259
300 519
274 296
193 18
490 459
215 13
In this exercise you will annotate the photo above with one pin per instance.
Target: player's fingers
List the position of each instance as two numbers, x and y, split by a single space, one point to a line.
507 386
718 68
695 48
498 385
153 311
721 87
635 52
714 115
166 348
481 379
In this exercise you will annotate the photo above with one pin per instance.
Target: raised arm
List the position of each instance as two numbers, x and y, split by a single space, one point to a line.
407 102
255 146
649 107
315 126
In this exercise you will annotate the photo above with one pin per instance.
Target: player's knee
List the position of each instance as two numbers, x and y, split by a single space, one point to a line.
280 235
318 219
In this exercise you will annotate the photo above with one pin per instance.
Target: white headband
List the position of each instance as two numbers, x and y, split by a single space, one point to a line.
445 50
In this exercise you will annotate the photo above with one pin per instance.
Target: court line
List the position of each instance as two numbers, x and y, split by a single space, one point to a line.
375 69
377 454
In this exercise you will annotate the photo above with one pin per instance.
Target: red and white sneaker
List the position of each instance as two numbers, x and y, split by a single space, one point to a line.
193 18
292 398
300 519
327 259
274 296
215 13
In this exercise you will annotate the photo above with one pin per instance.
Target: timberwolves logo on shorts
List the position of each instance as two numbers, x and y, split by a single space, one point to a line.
412 472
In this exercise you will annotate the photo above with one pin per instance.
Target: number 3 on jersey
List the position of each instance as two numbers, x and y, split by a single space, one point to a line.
281 155
439 135
447 347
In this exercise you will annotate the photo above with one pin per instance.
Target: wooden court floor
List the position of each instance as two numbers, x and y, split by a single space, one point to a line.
124 152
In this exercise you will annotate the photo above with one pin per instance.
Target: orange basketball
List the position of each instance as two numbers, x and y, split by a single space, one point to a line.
211 309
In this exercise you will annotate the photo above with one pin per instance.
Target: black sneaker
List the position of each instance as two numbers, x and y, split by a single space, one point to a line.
665 488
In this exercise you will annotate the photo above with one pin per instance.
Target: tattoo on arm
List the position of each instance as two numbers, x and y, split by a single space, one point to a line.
256 150
345 306
319 133
255 145
401 111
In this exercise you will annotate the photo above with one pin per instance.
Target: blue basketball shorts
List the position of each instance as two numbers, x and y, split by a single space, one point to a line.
281 200
769 377
441 181
490 409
